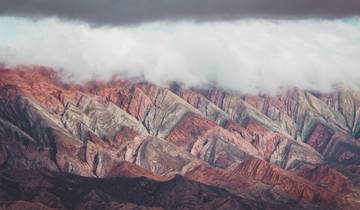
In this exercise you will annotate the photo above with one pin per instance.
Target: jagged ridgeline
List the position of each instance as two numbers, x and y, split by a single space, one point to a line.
129 144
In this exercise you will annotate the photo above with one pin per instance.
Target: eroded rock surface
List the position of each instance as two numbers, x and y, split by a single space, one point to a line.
127 144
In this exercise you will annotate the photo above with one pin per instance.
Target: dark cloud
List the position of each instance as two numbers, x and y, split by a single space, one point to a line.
118 12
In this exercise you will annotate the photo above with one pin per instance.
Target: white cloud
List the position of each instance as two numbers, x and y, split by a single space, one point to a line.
246 55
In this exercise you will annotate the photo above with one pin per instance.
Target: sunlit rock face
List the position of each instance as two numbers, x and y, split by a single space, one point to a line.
126 144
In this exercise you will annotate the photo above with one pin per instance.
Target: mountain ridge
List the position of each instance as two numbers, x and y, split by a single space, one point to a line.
287 151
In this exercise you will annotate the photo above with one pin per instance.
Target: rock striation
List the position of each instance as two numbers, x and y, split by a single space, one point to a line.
130 144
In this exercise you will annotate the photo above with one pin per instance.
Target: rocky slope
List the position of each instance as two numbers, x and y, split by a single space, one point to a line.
129 144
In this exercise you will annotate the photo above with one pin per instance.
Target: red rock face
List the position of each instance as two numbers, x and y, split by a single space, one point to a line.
190 127
40 84
327 177
320 137
131 170
173 147
127 96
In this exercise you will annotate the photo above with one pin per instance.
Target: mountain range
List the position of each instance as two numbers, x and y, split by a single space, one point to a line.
131 144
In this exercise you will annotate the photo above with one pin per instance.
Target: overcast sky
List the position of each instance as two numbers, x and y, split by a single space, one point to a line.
250 45
119 12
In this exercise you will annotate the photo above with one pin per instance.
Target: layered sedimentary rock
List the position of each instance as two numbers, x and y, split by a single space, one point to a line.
326 122
270 139
269 174
328 177
197 148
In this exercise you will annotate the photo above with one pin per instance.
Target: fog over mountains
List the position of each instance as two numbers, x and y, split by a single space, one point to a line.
249 55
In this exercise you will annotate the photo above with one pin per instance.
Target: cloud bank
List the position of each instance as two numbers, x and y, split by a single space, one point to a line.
249 55
119 12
